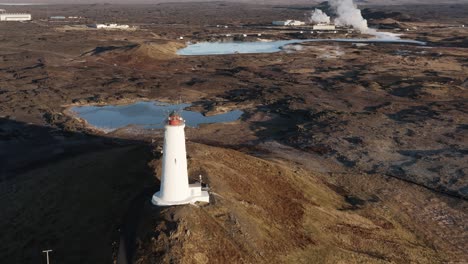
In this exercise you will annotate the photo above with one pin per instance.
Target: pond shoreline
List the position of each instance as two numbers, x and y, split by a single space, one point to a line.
143 114
255 47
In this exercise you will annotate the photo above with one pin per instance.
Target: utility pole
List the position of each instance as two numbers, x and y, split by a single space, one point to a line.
47 254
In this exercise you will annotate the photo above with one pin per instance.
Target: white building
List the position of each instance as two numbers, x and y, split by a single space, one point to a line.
324 27
288 23
175 188
110 26
4 16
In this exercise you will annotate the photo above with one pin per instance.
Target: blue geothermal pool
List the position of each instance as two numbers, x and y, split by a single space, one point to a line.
224 48
145 114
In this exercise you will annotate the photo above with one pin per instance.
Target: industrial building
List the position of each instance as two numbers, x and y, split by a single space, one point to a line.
65 18
110 26
58 17
288 23
324 27
4 16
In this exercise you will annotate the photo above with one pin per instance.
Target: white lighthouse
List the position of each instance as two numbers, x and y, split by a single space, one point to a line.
175 188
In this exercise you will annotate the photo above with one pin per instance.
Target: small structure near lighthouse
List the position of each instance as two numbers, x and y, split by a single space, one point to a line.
175 188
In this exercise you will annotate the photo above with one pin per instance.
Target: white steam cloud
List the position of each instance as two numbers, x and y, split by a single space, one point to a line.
318 16
349 15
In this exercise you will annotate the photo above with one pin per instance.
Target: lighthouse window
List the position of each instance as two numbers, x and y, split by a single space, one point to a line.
175 161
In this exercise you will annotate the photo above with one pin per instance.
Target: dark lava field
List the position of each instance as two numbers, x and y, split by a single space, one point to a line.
345 153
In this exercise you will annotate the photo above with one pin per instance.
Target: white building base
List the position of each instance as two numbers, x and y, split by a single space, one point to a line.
196 195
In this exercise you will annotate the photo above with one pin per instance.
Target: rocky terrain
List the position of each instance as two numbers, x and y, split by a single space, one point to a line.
345 153
277 210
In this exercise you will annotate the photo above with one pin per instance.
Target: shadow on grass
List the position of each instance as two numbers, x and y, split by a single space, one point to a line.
70 192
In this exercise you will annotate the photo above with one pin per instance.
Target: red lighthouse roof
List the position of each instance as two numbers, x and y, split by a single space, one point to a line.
175 119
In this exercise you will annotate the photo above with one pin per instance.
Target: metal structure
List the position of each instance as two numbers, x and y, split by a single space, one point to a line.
47 254
175 188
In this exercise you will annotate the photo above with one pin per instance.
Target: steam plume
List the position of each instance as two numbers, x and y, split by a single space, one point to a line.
318 16
349 15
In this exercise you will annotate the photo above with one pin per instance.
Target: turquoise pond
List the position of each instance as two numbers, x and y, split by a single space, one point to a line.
241 47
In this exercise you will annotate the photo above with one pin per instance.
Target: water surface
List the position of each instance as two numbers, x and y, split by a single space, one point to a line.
223 48
145 114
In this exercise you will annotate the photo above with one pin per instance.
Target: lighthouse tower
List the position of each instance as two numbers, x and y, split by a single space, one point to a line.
175 188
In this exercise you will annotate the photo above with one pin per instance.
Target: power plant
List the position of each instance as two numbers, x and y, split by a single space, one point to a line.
175 188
